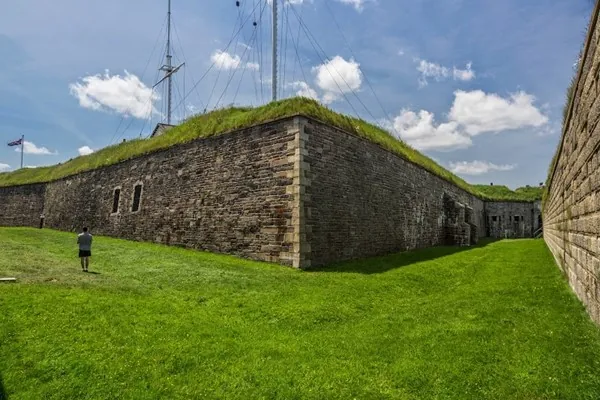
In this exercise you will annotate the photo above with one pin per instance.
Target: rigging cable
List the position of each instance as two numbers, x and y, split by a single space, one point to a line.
213 63
148 102
279 22
221 66
255 61
285 46
179 93
185 66
143 73
151 109
366 78
233 74
240 59
343 79
260 55
253 37
250 46
308 36
296 45
245 65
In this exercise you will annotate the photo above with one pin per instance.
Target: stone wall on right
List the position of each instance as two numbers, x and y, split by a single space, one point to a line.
572 207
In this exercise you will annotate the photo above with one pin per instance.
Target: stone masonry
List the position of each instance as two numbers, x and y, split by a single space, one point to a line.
364 200
22 205
230 193
512 220
572 208
295 191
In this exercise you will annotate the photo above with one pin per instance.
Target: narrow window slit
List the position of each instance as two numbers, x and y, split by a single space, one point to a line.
116 198
137 195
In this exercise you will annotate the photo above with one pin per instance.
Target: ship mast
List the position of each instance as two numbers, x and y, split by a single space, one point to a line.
168 67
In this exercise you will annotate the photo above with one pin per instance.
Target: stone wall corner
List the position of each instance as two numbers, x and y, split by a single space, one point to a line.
299 204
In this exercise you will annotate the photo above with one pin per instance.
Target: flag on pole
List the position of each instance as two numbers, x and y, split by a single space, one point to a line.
16 142
19 142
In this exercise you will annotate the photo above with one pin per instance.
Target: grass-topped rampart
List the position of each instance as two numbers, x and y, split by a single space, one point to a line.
501 192
234 118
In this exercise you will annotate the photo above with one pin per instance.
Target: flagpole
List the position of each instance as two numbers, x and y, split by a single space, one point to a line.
22 148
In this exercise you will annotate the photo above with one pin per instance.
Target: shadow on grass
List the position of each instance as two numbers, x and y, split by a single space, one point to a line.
377 265
93 273
3 395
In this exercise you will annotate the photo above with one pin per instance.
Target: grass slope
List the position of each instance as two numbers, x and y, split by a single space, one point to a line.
493 322
226 120
501 192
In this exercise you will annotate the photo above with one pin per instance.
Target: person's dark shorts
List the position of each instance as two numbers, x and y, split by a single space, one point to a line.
85 253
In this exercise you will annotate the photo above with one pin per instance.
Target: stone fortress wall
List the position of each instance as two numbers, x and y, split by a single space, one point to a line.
364 200
22 205
229 193
513 220
572 207
293 191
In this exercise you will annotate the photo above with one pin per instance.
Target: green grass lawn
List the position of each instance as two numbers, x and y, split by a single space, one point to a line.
493 322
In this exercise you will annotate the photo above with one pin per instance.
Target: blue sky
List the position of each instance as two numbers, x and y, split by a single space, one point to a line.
478 85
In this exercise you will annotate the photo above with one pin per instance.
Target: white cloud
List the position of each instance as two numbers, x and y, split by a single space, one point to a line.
464 74
253 66
224 60
4 167
85 150
125 95
337 77
439 72
304 90
431 70
478 167
421 132
472 113
549 130
357 4
479 112
400 52
31 148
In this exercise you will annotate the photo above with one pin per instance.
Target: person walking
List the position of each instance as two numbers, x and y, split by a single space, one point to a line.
84 240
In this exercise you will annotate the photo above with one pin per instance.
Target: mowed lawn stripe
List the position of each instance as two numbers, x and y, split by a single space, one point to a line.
494 321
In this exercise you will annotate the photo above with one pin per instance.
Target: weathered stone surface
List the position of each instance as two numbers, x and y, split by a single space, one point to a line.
366 201
223 194
512 219
294 191
572 210
363 200
22 205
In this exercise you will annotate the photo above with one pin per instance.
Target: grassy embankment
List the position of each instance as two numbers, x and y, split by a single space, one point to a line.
230 119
